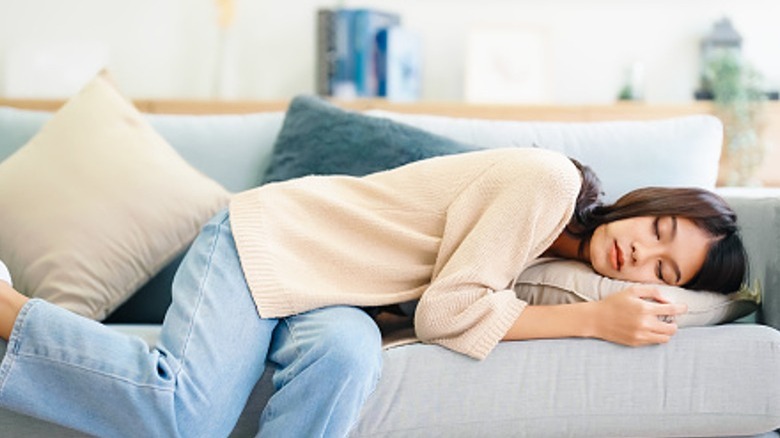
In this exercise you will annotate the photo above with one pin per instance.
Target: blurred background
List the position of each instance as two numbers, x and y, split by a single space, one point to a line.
537 51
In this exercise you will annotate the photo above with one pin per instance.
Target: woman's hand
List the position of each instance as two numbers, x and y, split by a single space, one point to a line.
634 317
630 317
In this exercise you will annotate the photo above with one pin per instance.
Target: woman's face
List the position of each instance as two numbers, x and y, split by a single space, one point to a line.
647 249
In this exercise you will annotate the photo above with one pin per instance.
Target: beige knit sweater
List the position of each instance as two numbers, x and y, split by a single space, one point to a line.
453 231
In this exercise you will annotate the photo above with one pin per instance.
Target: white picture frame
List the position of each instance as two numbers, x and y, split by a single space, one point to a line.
508 65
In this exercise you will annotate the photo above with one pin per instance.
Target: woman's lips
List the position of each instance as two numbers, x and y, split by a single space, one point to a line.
616 257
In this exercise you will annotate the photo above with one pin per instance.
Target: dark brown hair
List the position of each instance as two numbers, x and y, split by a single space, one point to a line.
726 264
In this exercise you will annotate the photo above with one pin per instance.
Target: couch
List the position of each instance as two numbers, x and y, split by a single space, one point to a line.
710 380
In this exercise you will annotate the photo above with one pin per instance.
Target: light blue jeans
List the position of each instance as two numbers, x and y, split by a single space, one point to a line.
213 348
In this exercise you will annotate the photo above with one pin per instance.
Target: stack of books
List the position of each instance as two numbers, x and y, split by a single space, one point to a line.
366 53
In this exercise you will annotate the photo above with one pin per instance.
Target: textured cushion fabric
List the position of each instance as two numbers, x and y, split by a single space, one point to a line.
558 281
318 138
96 203
708 381
682 151
233 149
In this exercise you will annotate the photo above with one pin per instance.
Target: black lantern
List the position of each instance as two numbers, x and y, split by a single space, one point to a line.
722 39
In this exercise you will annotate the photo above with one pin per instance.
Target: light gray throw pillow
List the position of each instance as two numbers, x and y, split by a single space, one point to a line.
558 281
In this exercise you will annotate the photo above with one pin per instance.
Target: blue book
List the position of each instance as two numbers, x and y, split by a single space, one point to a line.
399 64
326 51
342 83
367 24
334 57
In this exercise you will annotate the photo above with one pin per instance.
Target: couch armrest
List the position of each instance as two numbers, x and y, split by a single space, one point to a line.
758 210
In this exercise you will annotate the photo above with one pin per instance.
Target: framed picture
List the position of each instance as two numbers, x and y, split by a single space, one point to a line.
508 65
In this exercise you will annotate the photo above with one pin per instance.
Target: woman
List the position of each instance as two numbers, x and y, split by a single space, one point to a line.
284 274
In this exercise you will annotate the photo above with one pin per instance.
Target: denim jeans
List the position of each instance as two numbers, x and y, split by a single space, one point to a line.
213 347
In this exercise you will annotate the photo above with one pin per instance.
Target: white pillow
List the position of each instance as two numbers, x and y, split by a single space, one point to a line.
626 155
558 281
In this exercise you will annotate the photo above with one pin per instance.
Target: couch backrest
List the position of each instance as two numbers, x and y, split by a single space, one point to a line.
235 149
232 149
681 151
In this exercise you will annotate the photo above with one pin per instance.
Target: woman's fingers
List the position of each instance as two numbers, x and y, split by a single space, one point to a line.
664 328
655 332
639 315
658 303
648 292
658 338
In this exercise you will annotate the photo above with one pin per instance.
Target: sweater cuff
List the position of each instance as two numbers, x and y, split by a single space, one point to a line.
499 326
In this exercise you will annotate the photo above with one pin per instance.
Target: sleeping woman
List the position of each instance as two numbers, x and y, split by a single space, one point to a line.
284 275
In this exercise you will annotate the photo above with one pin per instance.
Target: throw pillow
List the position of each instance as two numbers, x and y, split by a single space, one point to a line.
558 281
97 203
318 138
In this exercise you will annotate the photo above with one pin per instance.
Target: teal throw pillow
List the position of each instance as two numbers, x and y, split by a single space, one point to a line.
318 138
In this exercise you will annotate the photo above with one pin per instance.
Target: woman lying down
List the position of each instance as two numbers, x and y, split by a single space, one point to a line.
285 274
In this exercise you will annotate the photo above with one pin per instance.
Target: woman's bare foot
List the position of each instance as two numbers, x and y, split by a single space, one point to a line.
11 303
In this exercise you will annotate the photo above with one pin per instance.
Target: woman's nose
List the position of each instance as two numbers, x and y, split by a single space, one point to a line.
641 252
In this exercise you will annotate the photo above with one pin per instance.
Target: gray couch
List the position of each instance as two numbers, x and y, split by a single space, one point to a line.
709 381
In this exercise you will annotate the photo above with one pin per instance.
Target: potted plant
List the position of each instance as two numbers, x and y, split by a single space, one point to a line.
738 98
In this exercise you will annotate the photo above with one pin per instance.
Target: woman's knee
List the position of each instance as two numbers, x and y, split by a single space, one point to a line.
346 339
353 338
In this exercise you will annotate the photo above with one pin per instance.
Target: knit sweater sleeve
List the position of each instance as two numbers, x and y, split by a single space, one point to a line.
497 224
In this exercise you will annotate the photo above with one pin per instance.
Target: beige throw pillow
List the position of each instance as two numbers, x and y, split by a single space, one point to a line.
557 281
97 203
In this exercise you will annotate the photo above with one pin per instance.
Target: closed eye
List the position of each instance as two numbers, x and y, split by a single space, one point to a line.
659 268
671 234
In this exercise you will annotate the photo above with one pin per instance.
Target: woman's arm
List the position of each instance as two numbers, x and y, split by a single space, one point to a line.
507 215
630 317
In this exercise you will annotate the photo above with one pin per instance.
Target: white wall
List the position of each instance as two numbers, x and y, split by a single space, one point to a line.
166 48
